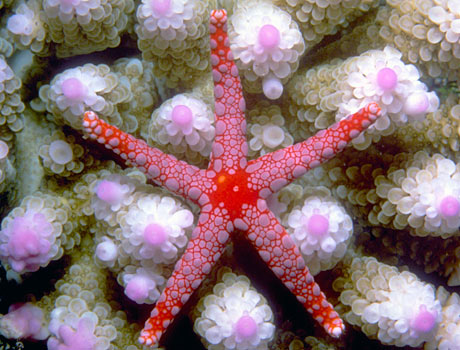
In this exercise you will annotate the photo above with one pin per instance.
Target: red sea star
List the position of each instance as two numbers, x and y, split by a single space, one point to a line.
232 191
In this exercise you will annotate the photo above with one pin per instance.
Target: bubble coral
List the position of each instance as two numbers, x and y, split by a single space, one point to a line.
234 316
7 171
267 45
155 228
266 130
27 28
448 334
24 321
394 307
144 285
318 18
335 90
111 193
440 129
382 76
11 105
75 90
139 235
426 32
36 233
95 24
61 155
123 93
173 35
426 194
137 110
322 230
185 125
80 316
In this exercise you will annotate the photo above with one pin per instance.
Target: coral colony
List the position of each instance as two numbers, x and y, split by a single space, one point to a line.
340 161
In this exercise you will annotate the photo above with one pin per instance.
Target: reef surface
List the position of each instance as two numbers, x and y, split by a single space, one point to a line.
87 244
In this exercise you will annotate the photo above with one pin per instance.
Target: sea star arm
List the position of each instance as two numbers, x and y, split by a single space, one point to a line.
204 249
280 253
271 172
164 169
230 148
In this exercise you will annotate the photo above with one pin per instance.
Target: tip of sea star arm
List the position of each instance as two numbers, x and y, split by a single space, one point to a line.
90 122
362 119
219 15
337 136
335 328
149 337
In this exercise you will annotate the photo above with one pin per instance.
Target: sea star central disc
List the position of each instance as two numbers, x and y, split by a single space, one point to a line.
229 191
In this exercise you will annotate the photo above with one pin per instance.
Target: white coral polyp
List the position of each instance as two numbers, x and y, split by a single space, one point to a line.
322 230
265 41
78 91
433 198
184 121
60 152
267 134
156 228
66 10
26 24
236 317
380 76
23 22
142 286
167 18
110 195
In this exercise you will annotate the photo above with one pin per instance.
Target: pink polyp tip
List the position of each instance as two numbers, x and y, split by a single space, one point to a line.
73 89
24 243
161 7
269 36
416 103
387 79
317 225
26 320
449 206
155 234
425 320
246 327
109 191
137 289
181 115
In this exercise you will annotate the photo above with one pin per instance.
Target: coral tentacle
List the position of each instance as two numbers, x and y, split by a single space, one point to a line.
279 252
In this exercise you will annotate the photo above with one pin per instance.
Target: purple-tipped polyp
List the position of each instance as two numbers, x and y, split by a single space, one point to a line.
387 79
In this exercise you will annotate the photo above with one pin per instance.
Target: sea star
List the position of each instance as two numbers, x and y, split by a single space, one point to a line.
232 192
